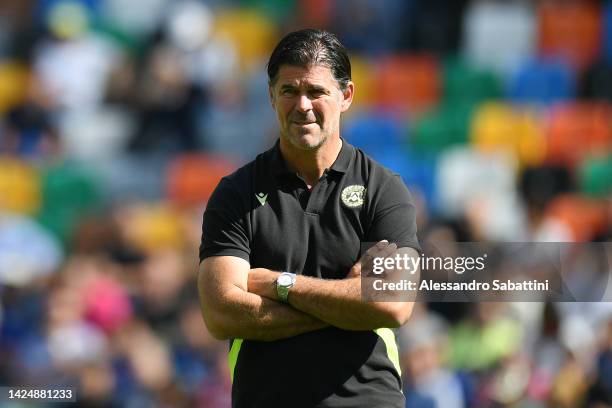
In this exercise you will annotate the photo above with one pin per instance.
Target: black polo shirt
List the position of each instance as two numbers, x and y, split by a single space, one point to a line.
266 215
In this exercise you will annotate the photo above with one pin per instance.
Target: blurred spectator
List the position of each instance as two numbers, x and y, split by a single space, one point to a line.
601 390
428 382
28 132
167 104
483 339
163 288
20 237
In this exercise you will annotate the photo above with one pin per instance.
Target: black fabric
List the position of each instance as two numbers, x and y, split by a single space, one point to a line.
311 233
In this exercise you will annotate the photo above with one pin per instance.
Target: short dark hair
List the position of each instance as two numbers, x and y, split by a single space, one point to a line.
311 47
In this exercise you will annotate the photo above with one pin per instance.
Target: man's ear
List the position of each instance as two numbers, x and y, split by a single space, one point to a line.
271 95
347 95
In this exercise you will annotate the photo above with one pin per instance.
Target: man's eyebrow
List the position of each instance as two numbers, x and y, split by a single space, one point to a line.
318 88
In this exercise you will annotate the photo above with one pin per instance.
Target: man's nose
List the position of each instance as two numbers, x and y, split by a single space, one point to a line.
304 104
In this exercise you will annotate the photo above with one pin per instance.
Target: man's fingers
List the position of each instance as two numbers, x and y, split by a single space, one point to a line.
389 250
382 244
374 250
381 249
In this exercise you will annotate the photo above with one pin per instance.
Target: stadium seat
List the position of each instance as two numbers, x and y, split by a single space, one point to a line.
375 132
498 126
96 134
464 83
132 177
417 171
279 10
13 84
441 128
154 227
499 35
607 41
585 217
20 190
370 27
251 32
464 174
363 74
408 83
382 136
69 193
596 177
570 29
191 178
542 82
316 13
578 130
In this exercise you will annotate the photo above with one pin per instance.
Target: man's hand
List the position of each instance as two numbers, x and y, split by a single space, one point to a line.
262 282
366 263
339 301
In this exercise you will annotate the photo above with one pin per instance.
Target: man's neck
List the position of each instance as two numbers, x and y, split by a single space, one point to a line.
311 164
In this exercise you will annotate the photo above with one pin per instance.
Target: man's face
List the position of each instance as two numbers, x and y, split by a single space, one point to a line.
308 103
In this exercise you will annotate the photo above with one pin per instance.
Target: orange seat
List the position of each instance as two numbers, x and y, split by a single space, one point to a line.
315 13
570 29
408 82
577 131
585 217
193 177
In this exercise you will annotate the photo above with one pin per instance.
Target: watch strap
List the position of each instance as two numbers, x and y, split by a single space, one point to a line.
282 291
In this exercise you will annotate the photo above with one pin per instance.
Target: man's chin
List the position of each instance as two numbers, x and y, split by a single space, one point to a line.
307 141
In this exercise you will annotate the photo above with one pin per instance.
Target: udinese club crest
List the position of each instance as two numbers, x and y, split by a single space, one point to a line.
353 196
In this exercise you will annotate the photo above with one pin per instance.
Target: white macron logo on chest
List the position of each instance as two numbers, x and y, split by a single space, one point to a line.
261 197
353 196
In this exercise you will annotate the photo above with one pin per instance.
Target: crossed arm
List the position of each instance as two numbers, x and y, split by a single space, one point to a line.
239 302
231 311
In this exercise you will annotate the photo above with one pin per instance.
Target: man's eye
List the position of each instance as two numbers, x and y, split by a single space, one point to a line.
316 94
288 92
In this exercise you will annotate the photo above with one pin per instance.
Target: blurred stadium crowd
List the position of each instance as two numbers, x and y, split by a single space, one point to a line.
118 117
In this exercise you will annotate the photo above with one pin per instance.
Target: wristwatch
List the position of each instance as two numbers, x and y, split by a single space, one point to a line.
284 282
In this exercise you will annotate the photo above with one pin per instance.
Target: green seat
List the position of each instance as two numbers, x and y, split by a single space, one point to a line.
467 84
278 10
448 125
69 193
596 177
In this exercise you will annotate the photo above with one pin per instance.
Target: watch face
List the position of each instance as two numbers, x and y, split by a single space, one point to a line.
284 280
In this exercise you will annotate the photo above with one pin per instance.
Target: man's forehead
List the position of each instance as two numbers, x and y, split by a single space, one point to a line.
312 74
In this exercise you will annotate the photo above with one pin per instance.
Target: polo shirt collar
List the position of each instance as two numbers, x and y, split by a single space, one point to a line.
341 164
343 160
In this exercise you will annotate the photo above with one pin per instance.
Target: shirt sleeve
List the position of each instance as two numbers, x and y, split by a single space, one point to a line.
223 227
393 215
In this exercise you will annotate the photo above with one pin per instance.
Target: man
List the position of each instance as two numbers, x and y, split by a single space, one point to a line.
280 270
